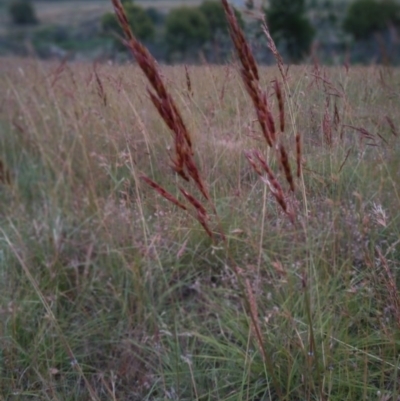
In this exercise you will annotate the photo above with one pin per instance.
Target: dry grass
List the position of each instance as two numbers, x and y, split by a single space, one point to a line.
111 289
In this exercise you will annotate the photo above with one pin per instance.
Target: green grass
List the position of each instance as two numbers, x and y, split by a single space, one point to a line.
108 290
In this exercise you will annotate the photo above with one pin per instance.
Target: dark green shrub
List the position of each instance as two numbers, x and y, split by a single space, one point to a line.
365 17
51 34
215 16
156 16
141 24
288 23
22 12
186 28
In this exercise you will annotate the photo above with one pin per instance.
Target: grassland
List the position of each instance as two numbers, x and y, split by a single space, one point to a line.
110 292
71 13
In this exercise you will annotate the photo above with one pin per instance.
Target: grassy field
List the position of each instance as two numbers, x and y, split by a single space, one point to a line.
74 12
69 12
109 291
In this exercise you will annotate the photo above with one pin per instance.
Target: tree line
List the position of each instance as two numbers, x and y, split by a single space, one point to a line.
186 32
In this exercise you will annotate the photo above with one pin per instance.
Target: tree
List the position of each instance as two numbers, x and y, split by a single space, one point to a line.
22 12
186 28
365 17
215 15
141 24
289 24
156 16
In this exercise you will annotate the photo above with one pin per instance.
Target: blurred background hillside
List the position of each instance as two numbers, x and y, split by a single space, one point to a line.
194 31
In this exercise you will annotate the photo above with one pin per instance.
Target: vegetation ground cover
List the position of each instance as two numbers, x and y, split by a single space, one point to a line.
65 12
110 291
